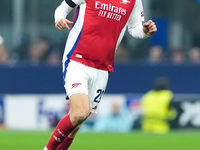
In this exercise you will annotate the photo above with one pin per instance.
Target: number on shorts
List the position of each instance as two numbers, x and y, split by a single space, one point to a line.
100 92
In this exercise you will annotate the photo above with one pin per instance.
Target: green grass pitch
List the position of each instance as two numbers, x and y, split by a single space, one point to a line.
136 140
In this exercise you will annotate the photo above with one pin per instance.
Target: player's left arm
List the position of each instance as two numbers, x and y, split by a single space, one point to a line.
149 28
135 26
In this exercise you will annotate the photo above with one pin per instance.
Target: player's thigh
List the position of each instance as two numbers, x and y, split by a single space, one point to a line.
79 108
79 103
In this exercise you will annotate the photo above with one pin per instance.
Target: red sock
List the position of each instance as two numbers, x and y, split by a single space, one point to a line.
63 129
65 144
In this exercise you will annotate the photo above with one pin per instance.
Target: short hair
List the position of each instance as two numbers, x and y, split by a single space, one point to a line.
161 83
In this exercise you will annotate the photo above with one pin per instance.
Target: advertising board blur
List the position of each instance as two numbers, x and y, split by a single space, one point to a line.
1 110
187 107
188 111
33 111
43 111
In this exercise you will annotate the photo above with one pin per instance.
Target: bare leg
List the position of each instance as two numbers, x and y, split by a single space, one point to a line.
70 124
79 108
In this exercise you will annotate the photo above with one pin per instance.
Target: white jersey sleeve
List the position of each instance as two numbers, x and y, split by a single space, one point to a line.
1 40
65 7
135 27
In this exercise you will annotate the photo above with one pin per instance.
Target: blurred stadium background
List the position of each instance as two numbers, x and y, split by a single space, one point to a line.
32 96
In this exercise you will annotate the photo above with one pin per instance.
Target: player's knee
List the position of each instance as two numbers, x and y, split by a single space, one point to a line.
80 116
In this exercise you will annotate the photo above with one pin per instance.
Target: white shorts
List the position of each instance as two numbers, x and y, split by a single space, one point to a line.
79 78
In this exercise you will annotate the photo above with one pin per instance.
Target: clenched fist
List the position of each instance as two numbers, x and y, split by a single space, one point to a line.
62 24
149 28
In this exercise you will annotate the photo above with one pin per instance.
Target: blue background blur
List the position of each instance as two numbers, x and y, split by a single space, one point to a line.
127 78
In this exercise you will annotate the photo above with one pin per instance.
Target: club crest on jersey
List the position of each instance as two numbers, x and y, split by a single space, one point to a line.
75 85
125 2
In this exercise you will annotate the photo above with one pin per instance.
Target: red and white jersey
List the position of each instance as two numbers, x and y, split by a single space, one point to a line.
98 28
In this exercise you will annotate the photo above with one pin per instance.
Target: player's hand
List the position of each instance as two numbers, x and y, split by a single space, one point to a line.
149 28
62 24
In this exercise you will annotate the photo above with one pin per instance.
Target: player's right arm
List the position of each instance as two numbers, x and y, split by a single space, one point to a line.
61 13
